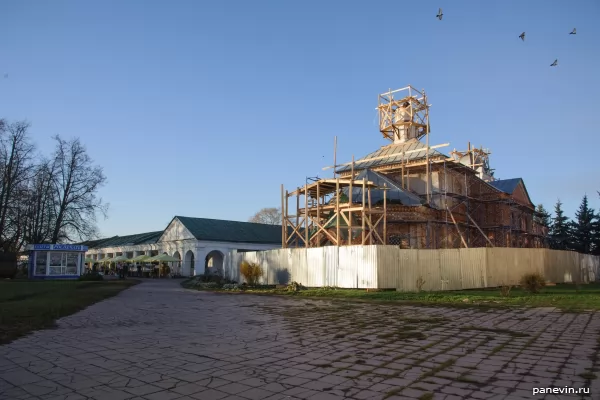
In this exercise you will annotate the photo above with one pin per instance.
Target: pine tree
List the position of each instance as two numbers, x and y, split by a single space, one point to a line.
542 216
560 231
584 227
596 234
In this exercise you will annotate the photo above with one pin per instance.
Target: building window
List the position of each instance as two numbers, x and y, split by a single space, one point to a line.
63 263
400 240
41 260
57 264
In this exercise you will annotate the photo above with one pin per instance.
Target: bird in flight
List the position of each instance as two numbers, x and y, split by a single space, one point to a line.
555 63
439 14
5 75
522 36
573 32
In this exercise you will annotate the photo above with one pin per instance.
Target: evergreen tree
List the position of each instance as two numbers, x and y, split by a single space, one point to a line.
584 228
596 234
542 216
560 231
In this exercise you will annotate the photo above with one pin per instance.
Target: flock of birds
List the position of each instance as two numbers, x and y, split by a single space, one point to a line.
440 14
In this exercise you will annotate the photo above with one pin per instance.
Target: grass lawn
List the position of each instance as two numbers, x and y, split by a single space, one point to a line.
564 296
26 306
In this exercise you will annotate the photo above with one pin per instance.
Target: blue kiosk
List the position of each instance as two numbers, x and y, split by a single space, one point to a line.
56 261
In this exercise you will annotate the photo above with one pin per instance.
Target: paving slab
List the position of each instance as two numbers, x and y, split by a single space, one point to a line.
159 341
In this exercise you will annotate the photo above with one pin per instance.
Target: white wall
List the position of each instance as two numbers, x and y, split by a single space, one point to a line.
387 267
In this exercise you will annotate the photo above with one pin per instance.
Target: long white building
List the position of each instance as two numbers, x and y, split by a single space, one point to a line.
200 243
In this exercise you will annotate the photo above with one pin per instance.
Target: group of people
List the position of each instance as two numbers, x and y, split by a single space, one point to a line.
124 270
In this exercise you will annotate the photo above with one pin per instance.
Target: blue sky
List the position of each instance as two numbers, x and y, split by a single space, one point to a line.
203 109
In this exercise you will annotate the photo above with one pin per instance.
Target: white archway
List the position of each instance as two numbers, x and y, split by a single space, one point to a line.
177 265
188 264
213 264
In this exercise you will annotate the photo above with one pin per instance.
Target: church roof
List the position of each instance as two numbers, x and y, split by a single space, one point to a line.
394 192
394 151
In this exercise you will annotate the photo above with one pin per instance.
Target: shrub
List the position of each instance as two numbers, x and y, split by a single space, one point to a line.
295 287
533 283
505 290
231 286
252 272
92 276
207 285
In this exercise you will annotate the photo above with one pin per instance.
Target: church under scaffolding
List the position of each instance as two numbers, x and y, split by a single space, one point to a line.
409 194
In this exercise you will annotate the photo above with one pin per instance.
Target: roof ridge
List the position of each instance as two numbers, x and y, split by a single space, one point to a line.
225 220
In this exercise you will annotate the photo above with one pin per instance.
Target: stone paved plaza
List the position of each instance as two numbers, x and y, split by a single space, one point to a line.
158 341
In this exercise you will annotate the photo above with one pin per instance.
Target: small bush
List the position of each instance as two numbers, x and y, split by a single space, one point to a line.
252 272
207 285
92 276
231 286
505 290
533 283
295 287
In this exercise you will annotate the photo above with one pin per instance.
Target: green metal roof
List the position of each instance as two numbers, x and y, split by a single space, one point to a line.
231 231
202 229
129 240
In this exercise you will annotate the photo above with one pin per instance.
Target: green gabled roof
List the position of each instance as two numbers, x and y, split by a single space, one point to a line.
128 240
231 231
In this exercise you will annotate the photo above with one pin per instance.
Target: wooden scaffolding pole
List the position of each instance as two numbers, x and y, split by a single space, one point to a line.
350 202
287 215
334 155
457 229
298 237
283 220
370 217
428 168
385 213
477 226
337 211
318 214
363 210
306 215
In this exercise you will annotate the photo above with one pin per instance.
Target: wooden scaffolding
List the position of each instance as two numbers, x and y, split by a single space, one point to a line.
461 209
325 215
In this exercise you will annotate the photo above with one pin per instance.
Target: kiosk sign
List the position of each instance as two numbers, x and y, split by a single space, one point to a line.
58 247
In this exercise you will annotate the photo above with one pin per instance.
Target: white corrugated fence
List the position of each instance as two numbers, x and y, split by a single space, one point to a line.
389 267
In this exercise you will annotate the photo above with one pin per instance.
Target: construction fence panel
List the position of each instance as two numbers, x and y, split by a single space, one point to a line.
298 265
430 271
449 270
331 262
315 267
473 265
366 266
407 269
387 267
590 268
346 273
284 269
496 266
562 266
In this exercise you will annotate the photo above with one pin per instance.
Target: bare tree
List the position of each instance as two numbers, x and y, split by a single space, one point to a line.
271 216
40 205
76 182
16 169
